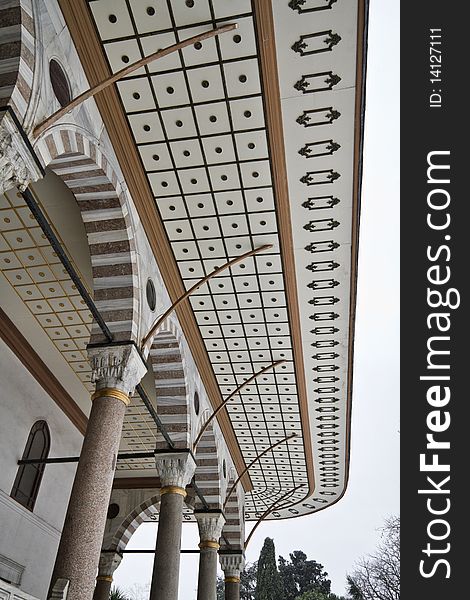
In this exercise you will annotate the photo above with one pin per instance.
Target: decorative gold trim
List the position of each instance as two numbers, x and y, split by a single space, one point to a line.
173 489
232 579
112 393
209 544
104 578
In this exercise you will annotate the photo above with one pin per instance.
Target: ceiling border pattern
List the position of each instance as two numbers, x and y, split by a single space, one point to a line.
308 84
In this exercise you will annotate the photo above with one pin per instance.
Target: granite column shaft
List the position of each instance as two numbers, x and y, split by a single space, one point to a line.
232 588
232 565
109 562
210 525
103 588
175 470
116 370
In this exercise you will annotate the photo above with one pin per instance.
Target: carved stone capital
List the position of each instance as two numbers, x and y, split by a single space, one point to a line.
60 589
210 525
232 564
109 562
18 166
175 468
119 367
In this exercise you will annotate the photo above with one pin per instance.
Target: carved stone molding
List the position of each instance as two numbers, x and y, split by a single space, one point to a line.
118 367
109 562
60 589
175 468
210 525
18 166
232 564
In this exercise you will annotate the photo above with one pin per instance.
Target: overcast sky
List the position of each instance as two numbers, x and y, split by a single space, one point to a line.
340 535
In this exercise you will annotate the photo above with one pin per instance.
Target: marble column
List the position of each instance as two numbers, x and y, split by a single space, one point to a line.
116 370
109 562
210 525
232 564
175 470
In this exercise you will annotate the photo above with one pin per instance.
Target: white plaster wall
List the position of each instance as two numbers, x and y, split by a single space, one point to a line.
31 538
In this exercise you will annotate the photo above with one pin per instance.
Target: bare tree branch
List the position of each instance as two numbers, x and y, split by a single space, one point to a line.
377 577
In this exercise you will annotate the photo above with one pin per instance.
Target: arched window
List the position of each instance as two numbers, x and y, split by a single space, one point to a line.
28 478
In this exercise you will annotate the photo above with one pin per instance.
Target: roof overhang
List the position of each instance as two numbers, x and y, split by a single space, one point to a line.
288 103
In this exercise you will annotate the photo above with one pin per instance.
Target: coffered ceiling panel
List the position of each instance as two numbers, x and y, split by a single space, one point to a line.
204 122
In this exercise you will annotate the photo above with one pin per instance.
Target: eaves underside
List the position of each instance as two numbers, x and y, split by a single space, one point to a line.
96 65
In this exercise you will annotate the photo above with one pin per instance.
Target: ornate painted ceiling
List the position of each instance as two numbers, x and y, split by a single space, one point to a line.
249 138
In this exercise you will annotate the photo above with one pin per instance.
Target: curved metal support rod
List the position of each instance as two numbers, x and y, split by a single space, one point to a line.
255 460
126 71
234 393
270 510
197 285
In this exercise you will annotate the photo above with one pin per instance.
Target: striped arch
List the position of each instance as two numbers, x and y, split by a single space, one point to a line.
170 384
234 528
17 39
104 208
146 511
208 470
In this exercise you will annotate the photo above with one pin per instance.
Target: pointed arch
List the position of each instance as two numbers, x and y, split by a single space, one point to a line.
104 207
17 33
145 511
208 470
169 370
28 477
234 527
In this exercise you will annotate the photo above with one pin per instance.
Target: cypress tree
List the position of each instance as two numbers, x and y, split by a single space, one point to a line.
268 582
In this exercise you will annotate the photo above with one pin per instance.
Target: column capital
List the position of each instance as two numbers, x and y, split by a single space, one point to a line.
175 469
60 589
210 524
18 163
109 562
118 367
232 563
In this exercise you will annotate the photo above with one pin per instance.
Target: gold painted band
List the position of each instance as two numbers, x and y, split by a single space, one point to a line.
104 578
112 393
209 544
232 580
173 489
